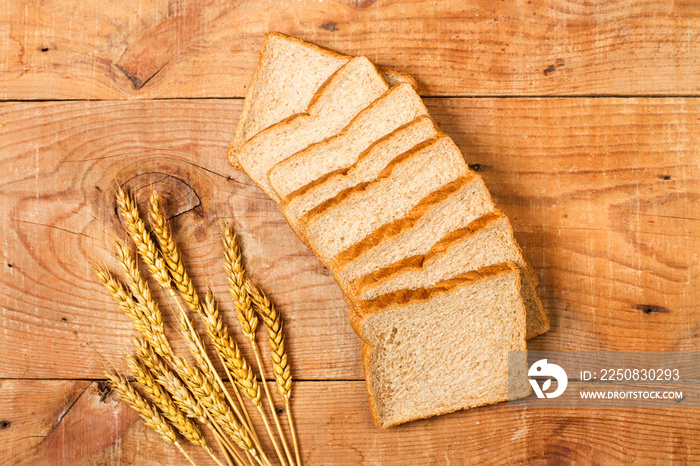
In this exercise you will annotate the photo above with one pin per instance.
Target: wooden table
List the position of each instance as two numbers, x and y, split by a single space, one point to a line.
582 117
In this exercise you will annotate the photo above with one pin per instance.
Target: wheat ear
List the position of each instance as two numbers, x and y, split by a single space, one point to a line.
164 376
135 311
142 239
171 254
237 368
165 403
150 415
235 274
283 373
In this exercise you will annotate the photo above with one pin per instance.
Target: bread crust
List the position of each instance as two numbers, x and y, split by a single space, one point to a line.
238 141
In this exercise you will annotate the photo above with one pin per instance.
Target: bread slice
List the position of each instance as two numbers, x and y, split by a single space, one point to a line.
398 106
433 351
368 165
289 73
453 206
352 88
353 214
485 241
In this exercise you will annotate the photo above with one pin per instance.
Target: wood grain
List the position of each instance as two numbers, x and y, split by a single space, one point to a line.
335 428
77 49
602 193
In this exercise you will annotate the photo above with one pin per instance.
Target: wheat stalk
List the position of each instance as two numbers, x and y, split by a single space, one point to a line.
149 414
233 264
187 291
283 373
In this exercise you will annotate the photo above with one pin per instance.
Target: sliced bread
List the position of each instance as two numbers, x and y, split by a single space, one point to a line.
485 241
453 206
289 73
352 88
398 106
368 165
349 217
434 351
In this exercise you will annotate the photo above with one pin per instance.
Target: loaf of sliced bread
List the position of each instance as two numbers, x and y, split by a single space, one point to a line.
289 73
397 107
349 217
352 88
434 351
486 241
451 207
368 165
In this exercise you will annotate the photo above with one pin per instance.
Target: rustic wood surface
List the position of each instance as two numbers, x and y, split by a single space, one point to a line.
603 193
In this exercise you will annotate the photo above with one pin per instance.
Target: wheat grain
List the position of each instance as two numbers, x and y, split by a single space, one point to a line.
150 415
172 256
167 406
235 274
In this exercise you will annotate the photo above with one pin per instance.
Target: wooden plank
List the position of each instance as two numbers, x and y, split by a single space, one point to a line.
335 428
77 49
602 192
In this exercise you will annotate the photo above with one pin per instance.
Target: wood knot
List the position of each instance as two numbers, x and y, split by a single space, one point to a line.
280 411
651 309
104 389
5 425
330 26
477 167
177 196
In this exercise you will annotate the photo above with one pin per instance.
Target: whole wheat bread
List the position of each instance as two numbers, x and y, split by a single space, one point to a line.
355 213
398 106
449 208
368 165
434 351
485 241
352 88
288 74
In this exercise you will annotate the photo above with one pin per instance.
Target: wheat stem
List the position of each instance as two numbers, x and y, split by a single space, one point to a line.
290 419
179 447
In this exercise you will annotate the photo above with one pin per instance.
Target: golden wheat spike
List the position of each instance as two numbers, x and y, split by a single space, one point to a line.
235 274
